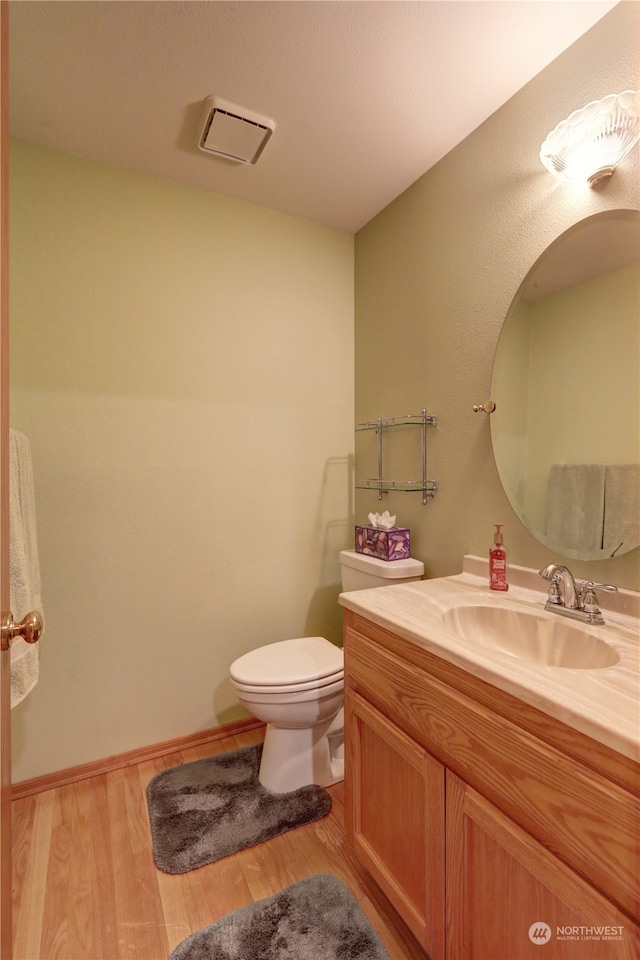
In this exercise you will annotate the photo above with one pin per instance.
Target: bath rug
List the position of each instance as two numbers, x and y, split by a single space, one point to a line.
315 919
208 809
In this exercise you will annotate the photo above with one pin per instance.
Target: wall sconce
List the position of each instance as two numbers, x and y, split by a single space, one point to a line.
591 142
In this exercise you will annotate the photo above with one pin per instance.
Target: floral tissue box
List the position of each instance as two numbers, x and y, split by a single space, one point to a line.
383 544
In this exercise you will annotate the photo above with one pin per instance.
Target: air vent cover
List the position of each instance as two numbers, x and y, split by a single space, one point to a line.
231 131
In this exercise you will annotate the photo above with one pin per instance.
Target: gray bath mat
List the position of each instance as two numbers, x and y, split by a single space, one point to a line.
208 809
314 919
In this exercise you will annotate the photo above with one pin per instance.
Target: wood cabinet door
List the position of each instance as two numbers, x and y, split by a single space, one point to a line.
395 818
509 898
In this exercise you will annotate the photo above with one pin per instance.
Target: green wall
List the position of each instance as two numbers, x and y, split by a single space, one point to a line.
436 272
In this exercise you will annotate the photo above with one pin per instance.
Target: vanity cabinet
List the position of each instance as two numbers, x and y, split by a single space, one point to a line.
480 817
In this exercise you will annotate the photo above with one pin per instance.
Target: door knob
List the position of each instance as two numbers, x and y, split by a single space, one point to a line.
29 628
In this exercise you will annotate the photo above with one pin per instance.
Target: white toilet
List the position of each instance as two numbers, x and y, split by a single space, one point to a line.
297 687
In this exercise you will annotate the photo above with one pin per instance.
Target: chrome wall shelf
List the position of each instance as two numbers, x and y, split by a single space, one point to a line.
381 425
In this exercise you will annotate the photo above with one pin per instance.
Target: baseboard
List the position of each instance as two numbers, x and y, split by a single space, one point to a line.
51 781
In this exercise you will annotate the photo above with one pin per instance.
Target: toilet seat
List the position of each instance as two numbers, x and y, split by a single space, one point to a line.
288 695
275 688
298 664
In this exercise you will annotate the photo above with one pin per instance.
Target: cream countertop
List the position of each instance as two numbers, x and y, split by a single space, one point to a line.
602 703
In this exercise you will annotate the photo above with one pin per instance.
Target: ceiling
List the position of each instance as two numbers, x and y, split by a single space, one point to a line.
367 94
593 247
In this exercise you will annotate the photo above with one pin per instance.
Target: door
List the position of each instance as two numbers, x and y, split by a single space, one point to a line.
509 898
394 812
5 695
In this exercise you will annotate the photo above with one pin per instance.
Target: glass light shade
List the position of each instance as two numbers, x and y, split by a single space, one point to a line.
591 142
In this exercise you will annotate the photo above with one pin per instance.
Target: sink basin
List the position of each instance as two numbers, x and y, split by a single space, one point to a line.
531 635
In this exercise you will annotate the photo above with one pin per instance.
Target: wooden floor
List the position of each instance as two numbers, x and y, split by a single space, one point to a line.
86 887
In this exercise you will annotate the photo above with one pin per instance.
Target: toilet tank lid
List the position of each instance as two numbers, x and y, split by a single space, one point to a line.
389 569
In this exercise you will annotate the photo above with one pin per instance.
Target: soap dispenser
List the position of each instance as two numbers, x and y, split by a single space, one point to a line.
498 563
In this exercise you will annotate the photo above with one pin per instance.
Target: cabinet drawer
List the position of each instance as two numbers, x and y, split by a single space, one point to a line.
591 824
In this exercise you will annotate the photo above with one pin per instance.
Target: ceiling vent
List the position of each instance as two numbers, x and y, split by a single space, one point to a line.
234 132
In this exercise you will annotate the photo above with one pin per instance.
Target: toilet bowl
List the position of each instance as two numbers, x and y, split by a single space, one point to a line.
297 688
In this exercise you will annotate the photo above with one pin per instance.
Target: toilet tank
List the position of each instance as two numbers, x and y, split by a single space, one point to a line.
360 571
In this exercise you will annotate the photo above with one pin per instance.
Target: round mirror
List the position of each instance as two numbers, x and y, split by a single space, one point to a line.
565 381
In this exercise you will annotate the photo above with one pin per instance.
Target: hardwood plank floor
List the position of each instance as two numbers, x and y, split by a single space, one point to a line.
86 887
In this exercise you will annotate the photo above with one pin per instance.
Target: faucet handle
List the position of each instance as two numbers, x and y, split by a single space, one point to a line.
589 586
554 595
588 600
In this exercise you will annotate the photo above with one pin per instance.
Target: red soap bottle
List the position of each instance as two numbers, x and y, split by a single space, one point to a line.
498 562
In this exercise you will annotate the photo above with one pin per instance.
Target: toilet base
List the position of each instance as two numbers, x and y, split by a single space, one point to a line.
294 758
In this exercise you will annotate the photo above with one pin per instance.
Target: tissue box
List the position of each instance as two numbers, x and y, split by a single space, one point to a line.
384 544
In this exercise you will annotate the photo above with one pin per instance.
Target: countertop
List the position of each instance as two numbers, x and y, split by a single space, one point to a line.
603 703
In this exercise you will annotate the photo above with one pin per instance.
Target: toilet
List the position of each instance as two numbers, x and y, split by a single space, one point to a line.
297 688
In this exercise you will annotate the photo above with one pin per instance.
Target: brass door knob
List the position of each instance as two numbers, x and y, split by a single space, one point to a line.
29 628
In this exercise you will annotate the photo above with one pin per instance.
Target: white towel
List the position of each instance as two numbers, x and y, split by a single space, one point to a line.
575 508
621 508
24 568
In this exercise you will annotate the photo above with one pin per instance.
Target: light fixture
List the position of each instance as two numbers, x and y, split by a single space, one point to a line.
591 142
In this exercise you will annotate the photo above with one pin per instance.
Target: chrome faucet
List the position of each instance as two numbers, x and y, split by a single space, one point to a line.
561 576
572 600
